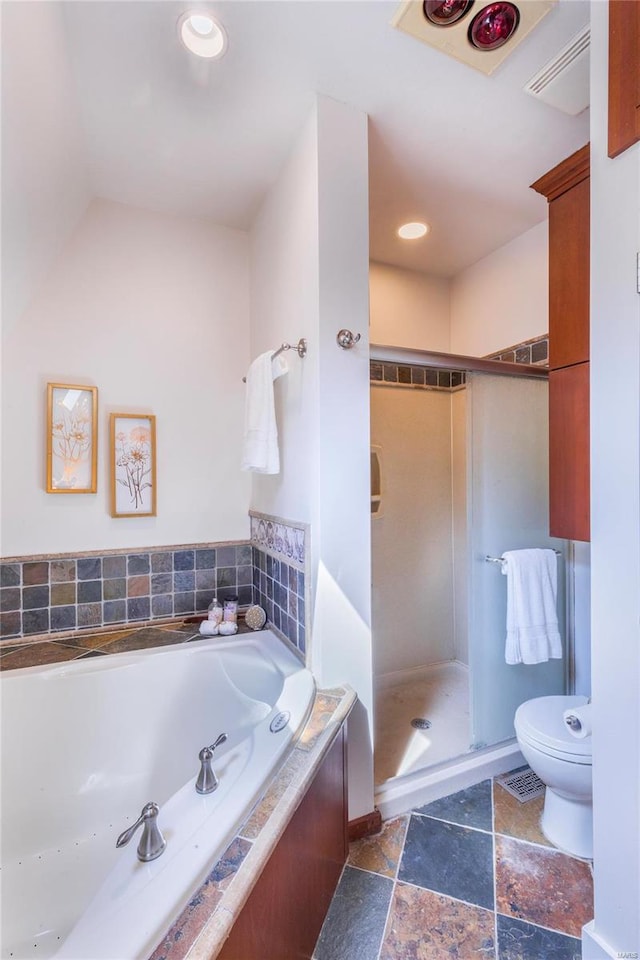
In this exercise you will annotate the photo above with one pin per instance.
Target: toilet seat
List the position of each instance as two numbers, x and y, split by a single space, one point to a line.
540 721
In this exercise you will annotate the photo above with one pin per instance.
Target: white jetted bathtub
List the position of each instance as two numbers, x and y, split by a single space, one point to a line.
86 745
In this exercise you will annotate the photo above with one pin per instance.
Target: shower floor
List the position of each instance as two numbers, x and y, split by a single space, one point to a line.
438 693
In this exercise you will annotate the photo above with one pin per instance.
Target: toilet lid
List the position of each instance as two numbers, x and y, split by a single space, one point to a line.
541 720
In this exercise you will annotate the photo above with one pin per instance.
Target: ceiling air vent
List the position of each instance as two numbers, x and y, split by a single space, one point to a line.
563 82
421 20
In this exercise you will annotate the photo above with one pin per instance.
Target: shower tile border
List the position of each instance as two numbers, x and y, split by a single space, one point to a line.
414 376
534 351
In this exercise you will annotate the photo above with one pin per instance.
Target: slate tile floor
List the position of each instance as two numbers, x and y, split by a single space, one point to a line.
466 877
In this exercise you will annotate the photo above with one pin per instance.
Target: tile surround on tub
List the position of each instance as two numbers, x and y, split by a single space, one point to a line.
87 591
62 592
281 587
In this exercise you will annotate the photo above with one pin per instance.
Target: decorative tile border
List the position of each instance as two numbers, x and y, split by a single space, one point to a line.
280 584
534 351
413 375
280 538
67 592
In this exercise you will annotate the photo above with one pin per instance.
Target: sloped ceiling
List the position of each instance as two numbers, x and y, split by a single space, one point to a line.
45 184
165 131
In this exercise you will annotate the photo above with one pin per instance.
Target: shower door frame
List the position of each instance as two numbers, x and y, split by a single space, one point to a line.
383 353
452 361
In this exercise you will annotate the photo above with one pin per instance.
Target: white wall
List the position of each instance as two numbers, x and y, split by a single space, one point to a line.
309 264
153 310
408 309
499 301
284 307
413 602
502 299
44 182
615 524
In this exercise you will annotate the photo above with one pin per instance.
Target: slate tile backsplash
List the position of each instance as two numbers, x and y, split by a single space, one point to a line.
46 595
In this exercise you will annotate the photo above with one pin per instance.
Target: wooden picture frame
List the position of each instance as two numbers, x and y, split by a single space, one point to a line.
72 438
132 444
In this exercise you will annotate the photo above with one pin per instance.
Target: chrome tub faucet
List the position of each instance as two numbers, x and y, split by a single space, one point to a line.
152 843
207 780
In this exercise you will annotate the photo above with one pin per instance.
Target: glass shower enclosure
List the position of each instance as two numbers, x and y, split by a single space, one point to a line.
499 501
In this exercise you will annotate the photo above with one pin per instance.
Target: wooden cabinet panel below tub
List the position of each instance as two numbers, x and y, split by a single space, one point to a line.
283 916
569 452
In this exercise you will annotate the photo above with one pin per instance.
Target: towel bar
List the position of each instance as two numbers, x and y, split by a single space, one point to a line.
489 559
300 347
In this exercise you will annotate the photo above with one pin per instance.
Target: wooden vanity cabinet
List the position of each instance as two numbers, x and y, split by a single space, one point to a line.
624 75
283 916
566 188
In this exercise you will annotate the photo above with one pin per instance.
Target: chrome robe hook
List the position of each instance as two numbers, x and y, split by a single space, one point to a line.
346 339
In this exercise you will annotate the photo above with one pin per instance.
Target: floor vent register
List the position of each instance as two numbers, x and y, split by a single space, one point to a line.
523 784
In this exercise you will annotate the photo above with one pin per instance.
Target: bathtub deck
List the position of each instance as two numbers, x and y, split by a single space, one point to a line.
202 928
40 650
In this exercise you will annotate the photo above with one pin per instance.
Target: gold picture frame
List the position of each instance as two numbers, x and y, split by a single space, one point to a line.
132 443
72 438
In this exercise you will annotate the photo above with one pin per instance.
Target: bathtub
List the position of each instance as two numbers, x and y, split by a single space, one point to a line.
85 745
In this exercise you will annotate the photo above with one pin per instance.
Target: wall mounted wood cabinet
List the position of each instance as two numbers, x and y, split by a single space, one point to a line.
624 75
566 187
569 452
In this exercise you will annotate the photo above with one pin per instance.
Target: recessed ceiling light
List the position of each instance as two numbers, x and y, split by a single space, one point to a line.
413 231
202 34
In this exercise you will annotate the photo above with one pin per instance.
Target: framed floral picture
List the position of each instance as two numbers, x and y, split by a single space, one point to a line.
133 465
72 438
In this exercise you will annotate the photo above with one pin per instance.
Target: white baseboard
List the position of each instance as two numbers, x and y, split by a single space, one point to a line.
595 948
403 794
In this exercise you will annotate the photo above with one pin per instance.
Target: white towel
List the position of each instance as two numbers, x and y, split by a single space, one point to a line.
532 620
260 451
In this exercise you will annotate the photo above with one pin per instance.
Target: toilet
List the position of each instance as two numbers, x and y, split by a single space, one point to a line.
563 763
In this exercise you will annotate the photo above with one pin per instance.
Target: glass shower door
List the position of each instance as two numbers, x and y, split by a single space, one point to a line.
508 509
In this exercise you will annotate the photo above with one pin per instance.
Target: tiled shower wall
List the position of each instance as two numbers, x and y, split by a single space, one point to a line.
63 593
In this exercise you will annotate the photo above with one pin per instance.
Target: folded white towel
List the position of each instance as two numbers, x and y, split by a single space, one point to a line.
532 620
260 450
